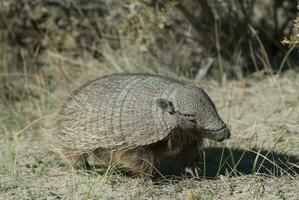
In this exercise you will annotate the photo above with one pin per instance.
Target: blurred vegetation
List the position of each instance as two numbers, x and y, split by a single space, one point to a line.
293 40
52 40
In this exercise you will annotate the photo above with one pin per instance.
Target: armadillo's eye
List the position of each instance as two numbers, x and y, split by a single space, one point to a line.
191 118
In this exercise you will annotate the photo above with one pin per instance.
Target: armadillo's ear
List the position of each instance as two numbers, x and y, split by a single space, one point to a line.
165 105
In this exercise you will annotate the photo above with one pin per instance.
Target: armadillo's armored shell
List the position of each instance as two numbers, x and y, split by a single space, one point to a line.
117 110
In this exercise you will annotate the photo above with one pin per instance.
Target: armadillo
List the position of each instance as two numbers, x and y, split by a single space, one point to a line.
137 121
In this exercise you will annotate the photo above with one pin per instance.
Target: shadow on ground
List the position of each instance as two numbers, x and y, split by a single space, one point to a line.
217 161
238 162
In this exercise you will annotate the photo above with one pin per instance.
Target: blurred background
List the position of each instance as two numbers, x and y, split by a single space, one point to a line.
242 52
193 38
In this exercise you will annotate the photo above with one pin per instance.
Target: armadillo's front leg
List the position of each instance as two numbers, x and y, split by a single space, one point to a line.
138 160
75 160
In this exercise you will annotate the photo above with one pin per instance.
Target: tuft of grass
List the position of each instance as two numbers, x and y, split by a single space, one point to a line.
294 38
192 196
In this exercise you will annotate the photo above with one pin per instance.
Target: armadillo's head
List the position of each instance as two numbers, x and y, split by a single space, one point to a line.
193 109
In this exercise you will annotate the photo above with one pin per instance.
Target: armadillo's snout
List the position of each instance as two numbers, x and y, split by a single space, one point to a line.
221 134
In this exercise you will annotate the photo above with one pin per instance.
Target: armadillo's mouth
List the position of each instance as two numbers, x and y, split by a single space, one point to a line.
219 135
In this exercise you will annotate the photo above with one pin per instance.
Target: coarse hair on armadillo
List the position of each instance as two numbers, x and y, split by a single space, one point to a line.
140 160
176 141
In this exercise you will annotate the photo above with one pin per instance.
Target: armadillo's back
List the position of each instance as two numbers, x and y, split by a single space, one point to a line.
116 110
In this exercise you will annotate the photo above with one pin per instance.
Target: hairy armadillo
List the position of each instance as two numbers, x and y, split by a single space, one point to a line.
137 121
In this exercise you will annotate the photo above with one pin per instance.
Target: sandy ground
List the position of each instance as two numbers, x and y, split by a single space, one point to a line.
260 161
